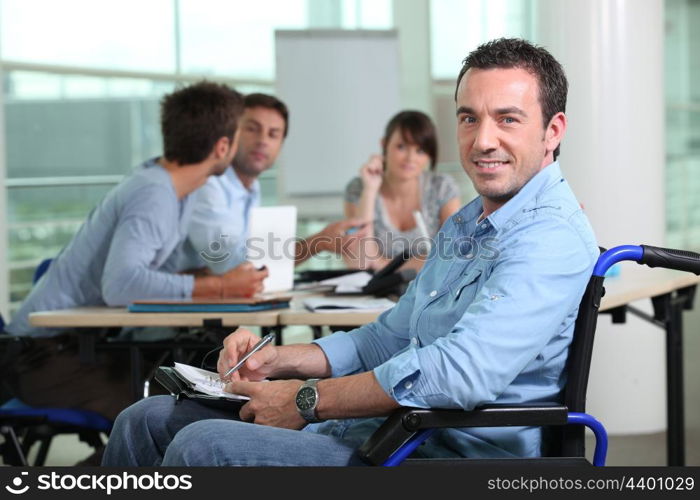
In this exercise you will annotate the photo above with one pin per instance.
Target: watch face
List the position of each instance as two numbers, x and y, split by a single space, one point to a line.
306 398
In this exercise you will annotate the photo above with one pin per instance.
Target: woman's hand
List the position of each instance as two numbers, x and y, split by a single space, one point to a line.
372 173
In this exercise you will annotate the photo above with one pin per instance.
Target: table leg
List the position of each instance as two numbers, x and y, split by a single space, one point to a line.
668 314
278 333
87 347
136 372
674 374
668 309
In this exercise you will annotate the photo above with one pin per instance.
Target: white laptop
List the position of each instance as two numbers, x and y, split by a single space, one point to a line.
272 243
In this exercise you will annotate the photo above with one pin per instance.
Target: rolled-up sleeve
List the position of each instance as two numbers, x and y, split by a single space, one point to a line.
369 346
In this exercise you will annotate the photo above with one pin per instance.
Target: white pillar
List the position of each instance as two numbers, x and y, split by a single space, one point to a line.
613 156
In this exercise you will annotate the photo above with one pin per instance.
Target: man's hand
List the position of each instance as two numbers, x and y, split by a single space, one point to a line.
372 173
258 367
334 237
243 281
271 403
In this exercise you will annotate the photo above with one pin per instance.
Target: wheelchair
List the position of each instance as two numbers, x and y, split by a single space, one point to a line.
563 421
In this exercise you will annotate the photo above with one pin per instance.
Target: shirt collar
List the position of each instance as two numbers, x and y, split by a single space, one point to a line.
541 181
549 175
236 181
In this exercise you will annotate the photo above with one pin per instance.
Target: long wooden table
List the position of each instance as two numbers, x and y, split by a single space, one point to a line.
109 317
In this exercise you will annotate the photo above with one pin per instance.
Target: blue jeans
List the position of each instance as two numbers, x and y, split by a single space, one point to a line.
156 431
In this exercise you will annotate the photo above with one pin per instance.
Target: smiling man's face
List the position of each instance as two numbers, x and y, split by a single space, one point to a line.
502 140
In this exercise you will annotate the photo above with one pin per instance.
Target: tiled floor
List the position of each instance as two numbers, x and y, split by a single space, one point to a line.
634 450
646 449
65 450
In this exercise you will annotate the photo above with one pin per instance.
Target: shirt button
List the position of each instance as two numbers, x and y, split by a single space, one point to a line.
458 218
408 385
484 226
469 256
433 293
414 340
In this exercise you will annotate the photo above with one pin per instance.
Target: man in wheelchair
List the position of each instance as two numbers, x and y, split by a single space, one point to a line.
489 319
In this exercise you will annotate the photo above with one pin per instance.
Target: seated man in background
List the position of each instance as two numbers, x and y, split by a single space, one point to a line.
489 318
118 254
219 226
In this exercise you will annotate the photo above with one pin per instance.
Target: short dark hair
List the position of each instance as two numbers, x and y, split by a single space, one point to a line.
415 127
517 53
258 100
193 118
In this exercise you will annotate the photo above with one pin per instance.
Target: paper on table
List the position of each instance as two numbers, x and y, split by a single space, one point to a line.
349 283
206 382
314 286
425 242
347 304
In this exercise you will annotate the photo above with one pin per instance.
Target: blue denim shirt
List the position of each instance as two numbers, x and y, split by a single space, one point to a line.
489 319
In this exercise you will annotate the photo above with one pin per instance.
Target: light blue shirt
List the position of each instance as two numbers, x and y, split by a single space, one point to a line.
489 318
218 228
119 254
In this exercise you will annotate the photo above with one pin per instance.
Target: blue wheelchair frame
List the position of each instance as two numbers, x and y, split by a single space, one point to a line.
408 428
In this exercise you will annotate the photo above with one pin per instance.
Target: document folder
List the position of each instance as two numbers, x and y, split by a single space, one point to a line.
242 305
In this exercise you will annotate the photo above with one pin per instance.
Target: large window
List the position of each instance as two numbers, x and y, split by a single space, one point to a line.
683 123
459 26
69 139
127 35
82 81
236 40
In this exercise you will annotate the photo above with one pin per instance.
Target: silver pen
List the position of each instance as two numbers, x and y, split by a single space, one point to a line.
263 342
423 230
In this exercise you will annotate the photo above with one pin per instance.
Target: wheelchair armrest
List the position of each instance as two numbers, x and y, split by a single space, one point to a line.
405 422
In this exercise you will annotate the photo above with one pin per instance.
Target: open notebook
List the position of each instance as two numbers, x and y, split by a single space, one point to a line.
262 302
197 384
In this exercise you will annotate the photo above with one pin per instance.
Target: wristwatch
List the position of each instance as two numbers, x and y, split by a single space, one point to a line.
307 400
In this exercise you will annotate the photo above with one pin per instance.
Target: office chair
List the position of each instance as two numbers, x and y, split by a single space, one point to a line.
563 421
22 425
41 270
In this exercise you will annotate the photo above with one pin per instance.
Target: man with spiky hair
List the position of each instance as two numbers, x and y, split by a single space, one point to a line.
119 253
